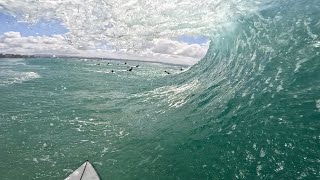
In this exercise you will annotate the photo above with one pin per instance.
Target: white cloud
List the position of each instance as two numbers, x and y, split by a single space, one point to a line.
13 42
161 50
12 34
167 46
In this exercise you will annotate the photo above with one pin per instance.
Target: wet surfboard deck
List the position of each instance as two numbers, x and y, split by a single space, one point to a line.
85 172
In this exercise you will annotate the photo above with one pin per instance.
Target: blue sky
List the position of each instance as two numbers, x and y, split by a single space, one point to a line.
42 28
192 39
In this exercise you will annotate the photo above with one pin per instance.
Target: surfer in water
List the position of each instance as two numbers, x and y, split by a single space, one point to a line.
130 69
167 72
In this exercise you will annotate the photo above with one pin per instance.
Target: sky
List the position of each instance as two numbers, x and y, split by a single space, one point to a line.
44 28
48 37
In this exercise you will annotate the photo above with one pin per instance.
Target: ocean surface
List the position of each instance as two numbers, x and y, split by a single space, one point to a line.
250 109
56 113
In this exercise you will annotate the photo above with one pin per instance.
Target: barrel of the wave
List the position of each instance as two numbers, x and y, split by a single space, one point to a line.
85 172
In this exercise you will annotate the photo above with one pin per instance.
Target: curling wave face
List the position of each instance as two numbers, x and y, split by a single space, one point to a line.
249 109
255 108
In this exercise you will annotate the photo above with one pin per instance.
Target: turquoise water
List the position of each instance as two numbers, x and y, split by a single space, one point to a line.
250 109
56 113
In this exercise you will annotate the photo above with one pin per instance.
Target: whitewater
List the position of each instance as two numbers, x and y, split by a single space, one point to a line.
250 109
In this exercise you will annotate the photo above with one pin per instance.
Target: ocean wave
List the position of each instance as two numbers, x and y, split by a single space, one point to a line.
248 110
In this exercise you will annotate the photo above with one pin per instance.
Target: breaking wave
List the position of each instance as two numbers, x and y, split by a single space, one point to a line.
249 108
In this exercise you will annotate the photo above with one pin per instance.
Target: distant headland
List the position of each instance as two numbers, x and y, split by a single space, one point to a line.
16 56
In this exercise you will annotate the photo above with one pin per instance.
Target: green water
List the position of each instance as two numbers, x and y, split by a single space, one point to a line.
250 109
56 113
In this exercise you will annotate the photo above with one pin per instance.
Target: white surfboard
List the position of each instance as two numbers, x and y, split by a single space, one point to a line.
85 172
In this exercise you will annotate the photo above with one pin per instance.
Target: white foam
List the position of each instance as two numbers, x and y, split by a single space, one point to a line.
262 152
318 104
279 88
278 74
317 44
45 158
174 95
105 150
259 168
299 64
280 166
14 77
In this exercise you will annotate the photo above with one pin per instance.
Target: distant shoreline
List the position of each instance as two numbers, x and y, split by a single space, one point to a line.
16 56
2 56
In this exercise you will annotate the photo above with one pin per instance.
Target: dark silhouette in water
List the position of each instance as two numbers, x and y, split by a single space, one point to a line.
137 65
125 63
167 72
98 64
130 69
181 69
112 71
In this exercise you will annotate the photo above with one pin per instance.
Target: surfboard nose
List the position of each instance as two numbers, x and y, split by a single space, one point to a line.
85 172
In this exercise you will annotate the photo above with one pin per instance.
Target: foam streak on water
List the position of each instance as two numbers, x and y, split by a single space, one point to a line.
10 75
